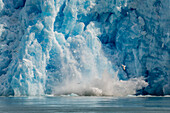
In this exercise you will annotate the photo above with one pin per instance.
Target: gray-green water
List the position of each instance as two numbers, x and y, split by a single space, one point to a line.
84 104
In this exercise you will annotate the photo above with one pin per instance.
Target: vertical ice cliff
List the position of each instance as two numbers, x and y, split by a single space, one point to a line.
44 43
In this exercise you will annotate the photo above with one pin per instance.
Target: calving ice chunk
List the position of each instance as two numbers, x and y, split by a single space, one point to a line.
107 85
85 47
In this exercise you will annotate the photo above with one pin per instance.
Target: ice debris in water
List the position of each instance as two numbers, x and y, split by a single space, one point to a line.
104 86
45 44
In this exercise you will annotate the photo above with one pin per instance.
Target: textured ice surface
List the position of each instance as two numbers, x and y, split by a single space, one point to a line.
48 43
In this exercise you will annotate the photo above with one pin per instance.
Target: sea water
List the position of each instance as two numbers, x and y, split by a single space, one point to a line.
76 104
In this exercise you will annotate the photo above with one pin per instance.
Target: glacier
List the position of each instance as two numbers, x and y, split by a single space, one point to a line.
87 47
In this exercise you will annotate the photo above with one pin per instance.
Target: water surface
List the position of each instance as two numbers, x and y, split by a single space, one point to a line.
84 104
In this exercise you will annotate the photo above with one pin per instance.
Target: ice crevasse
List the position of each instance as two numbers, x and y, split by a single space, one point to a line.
87 47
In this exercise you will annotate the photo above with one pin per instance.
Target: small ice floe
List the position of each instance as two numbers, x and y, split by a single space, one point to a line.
70 95
73 95
51 95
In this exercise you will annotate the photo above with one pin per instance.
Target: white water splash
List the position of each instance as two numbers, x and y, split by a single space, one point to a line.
105 86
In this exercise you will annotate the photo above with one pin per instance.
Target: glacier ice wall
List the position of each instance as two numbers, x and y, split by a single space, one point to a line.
46 42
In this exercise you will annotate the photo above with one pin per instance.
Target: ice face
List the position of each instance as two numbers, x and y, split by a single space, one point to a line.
50 45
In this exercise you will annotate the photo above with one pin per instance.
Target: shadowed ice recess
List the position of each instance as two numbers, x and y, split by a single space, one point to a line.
86 47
